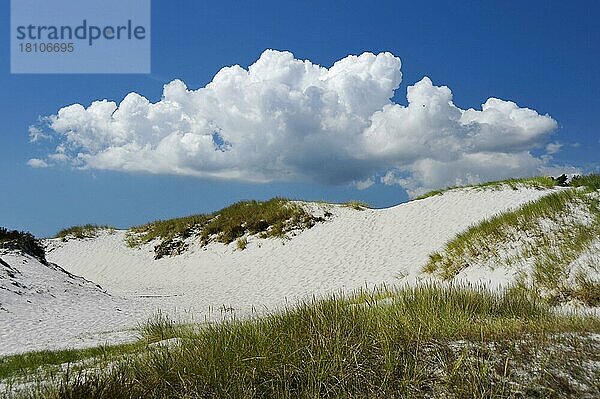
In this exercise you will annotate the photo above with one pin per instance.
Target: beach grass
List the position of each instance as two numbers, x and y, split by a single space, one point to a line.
591 182
26 363
419 342
272 218
356 205
552 232
538 182
81 232
432 340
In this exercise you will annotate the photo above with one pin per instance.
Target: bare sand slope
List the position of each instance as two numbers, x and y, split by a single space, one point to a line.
42 306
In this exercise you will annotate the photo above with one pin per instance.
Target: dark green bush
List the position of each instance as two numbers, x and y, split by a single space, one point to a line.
561 180
22 241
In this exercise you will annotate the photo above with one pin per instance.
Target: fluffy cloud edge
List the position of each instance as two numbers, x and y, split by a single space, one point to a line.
37 163
285 119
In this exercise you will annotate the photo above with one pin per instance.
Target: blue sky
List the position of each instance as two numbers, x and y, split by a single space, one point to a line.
542 55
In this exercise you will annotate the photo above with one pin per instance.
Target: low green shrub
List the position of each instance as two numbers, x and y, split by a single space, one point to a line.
10 235
166 230
273 218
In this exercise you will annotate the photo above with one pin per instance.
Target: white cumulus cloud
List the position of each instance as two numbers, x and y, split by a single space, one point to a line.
553 148
285 119
37 163
36 134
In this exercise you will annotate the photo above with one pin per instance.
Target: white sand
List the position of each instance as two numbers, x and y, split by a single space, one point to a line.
43 307
351 250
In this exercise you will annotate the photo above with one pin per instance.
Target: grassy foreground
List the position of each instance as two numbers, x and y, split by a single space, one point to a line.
419 342
23 364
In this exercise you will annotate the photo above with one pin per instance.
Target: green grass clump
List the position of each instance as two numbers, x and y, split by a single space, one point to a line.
157 328
423 342
81 232
160 327
586 290
591 182
166 230
551 250
356 205
273 218
242 243
433 193
539 182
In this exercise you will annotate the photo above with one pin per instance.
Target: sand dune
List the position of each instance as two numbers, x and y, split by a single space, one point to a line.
353 249
43 306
